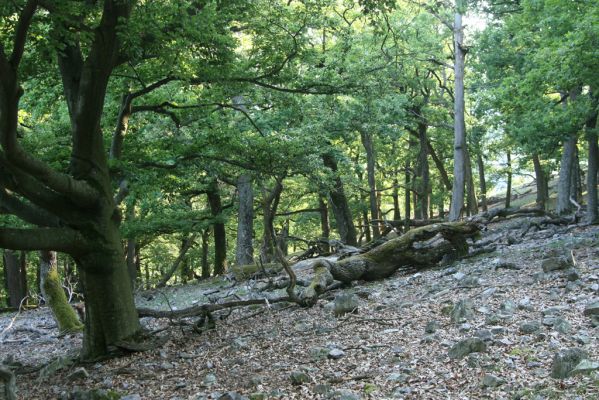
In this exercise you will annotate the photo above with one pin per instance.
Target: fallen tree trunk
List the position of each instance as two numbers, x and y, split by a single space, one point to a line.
501 213
408 250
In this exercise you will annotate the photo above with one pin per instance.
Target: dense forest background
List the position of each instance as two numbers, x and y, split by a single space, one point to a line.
170 140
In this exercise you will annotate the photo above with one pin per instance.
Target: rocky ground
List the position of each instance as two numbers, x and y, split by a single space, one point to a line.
492 326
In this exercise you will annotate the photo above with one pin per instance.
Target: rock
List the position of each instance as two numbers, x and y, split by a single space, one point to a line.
553 310
494 319
484 334
506 265
488 293
462 311
467 346
549 321
594 287
240 344
562 326
319 353
556 264
585 367
525 304
539 277
336 354
498 330
209 380
299 377
571 287
595 321
572 275
134 396
258 396
346 303
564 362
530 327
79 373
470 282
431 327
428 339
232 396
344 395
508 307
322 388
491 381
465 327
458 276
397 377
592 308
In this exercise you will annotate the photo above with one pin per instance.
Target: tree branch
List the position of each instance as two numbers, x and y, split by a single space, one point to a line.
52 239
10 204
21 32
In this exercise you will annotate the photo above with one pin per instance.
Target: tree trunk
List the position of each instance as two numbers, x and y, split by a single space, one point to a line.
470 187
186 244
54 295
244 252
440 166
423 174
370 169
15 278
282 238
220 235
395 196
565 175
205 249
407 197
459 151
541 181
132 249
483 182
340 205
325 230
508 190
270 203
591 125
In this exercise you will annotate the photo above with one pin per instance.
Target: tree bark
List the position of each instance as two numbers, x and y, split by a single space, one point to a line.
15 278
340 205
482 181
244 251
508 190
591 125
470 187
565 175
131 256
205 249
370 169
459 150
395 196
423 174
541 181
218 228
325 230
186 244
54 295
270 203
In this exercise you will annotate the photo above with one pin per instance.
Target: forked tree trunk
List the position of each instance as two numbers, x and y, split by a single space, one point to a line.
53 293
340 205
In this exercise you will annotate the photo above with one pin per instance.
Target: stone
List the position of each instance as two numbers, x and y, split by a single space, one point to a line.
335 354
508 307
322 388
258 396
431 327
498 330
592 308
344 395
134 396
319 353
299 377
585 367
562 326
467 346
458 276
462 311
487 293
79 373
556 264
398 377
491 381
572 275
530 327
346 303
525 304
209 380
484 334
565 361
549 321
232 396
506 265
470 282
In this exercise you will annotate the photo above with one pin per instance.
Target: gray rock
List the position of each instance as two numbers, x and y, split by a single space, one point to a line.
571 287
488 293
553 310
232 396
498 330
525 304
346 303
530 327
508 307
572 275
134 396
336 354
322 388
345 395
319 353
585 367
79 373
539 277
506 265
431 327
428 339
592 308
462 311
562 326
398 378
209 380
564 362
299 377
470 282
458 276
484 334
556 264
595 321
594 287
549 321
491 381
467 346
240 343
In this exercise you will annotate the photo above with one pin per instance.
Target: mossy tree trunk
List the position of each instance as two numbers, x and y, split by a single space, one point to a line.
53 293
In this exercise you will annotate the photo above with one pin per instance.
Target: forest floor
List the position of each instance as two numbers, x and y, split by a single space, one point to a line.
395 346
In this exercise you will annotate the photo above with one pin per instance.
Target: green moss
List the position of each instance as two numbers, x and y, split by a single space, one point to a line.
65 316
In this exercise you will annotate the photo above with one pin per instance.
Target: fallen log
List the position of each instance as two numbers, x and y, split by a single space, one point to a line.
408 250
502 213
